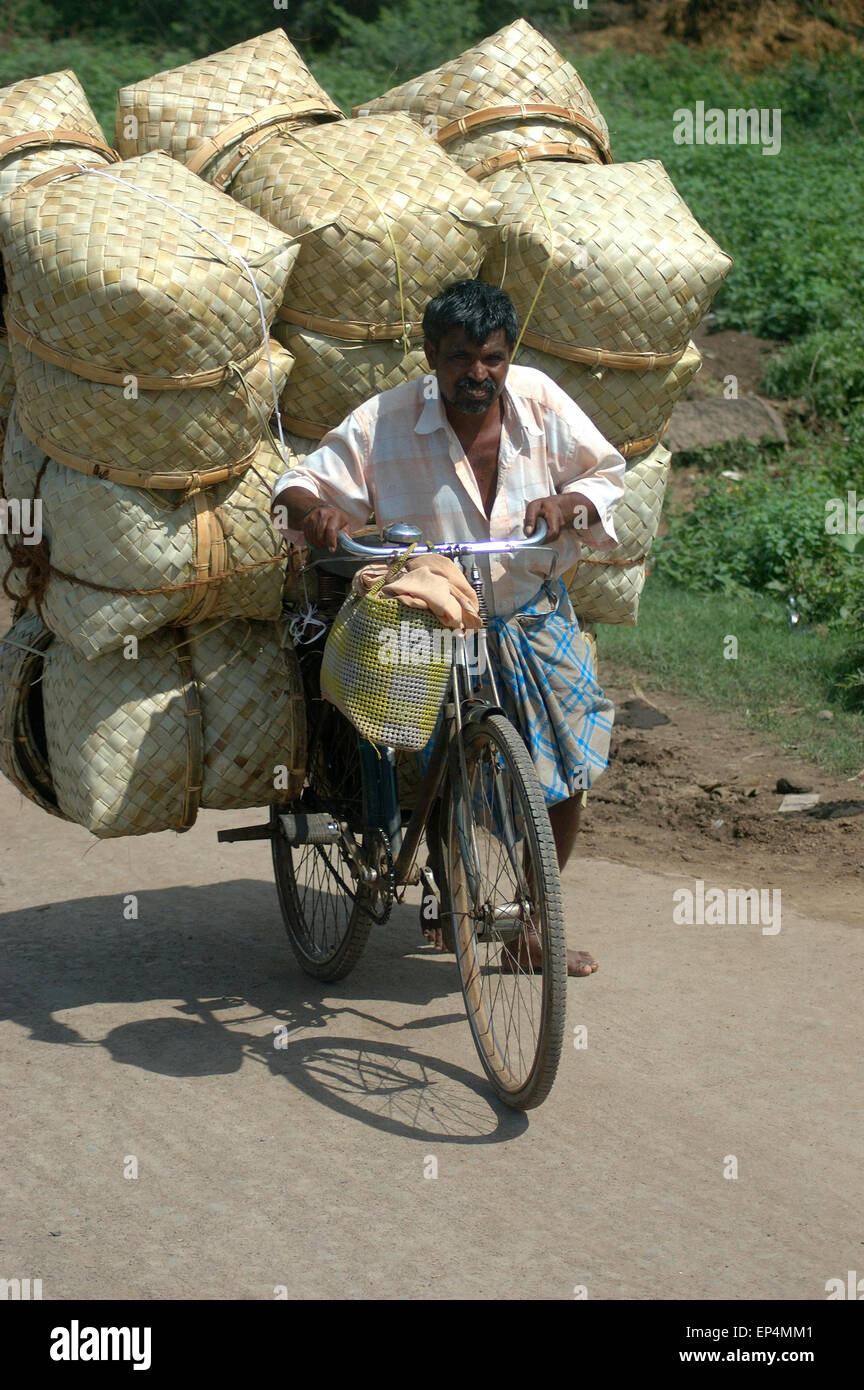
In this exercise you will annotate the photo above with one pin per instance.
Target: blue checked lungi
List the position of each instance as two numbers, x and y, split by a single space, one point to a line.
546 681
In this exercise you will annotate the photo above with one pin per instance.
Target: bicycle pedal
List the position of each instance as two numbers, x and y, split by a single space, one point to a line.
309 829
430 887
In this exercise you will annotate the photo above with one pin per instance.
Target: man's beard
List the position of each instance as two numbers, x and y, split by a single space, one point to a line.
472 404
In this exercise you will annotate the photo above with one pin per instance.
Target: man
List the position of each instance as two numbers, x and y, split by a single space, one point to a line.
478 450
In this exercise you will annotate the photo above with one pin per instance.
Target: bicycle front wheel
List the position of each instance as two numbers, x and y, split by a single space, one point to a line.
503 896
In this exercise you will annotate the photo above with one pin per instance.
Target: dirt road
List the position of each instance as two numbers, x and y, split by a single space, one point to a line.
147 1044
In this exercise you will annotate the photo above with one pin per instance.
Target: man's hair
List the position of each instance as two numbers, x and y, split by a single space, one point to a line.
479 308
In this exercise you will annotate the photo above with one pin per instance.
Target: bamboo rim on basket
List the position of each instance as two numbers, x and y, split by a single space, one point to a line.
494 115
246 126
576 154
603 357
351 330
61 135
190 482
119 376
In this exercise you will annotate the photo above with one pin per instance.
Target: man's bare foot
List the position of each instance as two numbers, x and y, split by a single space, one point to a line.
579 963
528 950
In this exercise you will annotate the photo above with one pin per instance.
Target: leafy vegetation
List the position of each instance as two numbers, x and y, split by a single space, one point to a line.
779 681
766 534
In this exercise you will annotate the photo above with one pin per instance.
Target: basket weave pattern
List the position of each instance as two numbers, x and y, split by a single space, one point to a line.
111 284
627 267
515 66
383 192
97 269
137 746
157 440
605 588
626 406
54 108
127 539
395 703
181 109
332 377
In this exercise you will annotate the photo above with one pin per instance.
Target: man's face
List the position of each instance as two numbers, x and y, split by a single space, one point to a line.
470 375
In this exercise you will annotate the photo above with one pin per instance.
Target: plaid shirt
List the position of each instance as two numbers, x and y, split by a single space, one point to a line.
398 456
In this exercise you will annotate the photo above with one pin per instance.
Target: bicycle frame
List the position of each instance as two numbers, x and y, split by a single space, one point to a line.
381 801
406 846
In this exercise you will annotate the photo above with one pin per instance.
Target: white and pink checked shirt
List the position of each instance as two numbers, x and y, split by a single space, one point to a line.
398 456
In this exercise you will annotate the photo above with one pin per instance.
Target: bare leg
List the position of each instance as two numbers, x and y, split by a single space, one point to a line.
564 817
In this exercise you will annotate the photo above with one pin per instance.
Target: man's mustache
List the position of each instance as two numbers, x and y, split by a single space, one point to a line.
466 384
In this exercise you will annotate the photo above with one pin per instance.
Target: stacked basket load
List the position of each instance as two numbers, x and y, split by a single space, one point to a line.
607 267
206 716
149 672
383 217
45 122
139 304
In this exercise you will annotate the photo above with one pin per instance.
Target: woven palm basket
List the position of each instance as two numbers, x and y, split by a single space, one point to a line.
213 556
511 97
205 108
161 440
45 122
631 408
110 281
332 377
385 219
23 752
136 746
606 265
605 586
7 383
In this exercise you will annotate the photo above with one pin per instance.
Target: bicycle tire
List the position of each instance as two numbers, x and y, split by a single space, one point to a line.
531 900
322 910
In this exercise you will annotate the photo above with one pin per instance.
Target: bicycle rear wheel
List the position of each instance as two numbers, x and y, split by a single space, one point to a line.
501 887
322 900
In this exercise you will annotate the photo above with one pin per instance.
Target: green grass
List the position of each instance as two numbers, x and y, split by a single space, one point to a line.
100 66
679 643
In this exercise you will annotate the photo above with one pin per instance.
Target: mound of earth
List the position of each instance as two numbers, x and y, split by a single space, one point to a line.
693 785
755 33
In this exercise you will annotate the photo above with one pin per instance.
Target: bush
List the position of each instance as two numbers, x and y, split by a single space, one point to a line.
791 221
404 40
100 67
826 368
767 534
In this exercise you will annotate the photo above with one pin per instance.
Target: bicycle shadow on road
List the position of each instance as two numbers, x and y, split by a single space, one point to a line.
208 961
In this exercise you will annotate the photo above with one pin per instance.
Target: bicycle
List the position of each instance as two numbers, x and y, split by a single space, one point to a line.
341 855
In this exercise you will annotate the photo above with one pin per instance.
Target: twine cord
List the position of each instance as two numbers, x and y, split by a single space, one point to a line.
8 642
554 242
387 220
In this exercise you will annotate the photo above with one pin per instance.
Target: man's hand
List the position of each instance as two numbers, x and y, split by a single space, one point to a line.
299 510
562 511
322 526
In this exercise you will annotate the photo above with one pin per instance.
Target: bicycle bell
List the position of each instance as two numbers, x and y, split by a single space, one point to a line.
401 533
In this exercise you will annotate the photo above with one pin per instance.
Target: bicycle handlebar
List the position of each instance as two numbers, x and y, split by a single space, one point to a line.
444 547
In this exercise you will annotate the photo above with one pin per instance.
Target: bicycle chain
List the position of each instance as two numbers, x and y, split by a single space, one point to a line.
385 855
358 898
